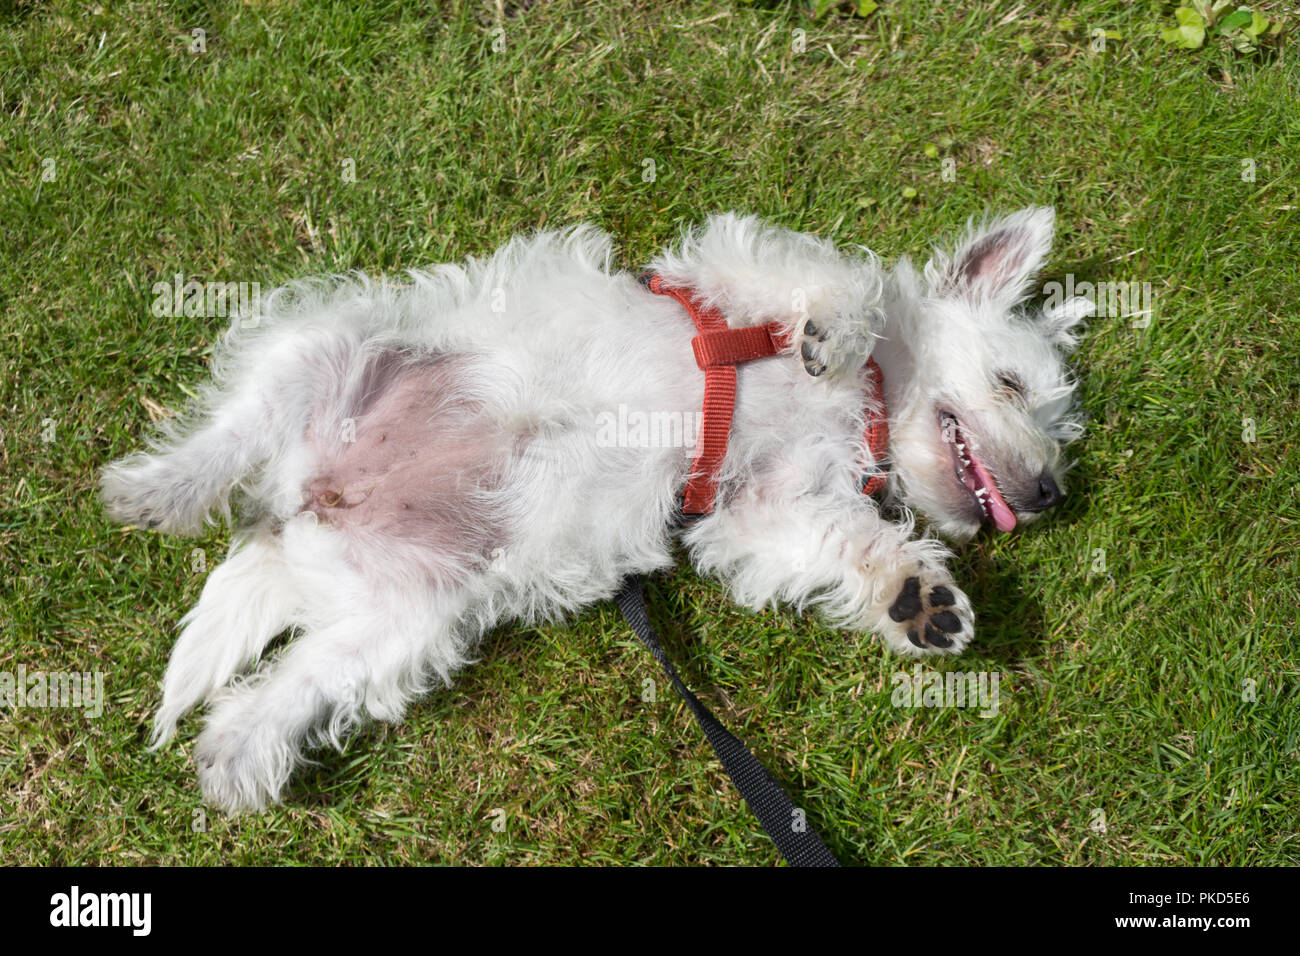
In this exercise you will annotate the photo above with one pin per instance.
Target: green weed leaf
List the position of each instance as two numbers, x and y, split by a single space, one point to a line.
1190 32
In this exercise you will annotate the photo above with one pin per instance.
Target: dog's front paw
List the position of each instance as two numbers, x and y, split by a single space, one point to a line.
813 350
929 615
832 347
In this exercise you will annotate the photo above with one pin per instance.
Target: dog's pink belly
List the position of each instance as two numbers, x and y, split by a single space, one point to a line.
412 459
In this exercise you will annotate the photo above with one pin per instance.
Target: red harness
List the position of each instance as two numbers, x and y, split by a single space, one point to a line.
718 350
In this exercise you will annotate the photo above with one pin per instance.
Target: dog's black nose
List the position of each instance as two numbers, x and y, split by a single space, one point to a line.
1048 493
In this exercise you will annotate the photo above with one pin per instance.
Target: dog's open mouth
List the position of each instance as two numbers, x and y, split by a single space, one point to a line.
974 476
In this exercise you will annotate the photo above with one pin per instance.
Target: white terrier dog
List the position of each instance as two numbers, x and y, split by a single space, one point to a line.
421 462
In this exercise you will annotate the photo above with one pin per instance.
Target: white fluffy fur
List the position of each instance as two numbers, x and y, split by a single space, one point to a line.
548 339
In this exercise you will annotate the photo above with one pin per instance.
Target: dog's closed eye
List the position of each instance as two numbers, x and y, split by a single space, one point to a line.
1011 384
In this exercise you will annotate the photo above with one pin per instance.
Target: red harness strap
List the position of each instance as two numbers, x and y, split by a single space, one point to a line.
718 350
877 432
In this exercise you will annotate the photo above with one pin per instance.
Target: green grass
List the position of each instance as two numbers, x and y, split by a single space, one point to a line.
1122 690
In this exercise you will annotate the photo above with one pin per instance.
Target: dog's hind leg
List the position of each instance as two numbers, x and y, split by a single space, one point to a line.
189 473
367 665
247 601
258 413
374 628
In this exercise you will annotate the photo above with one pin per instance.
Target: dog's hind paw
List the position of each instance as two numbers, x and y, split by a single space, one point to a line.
929 615
145 492
241 768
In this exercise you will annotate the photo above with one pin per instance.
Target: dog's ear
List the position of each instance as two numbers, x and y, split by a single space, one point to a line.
997 260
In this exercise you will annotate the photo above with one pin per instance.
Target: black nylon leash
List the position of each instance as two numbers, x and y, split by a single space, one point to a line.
783 821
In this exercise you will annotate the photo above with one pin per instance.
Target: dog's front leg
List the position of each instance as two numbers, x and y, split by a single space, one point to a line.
828 302
833 340
840 555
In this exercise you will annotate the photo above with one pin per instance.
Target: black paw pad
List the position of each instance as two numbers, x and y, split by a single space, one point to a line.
941 596
908 603
812 331
811 365
946 621
934 638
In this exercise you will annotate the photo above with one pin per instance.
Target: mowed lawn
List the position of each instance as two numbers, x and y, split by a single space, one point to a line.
1144 636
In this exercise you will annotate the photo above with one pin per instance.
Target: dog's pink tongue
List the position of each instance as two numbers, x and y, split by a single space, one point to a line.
1004 519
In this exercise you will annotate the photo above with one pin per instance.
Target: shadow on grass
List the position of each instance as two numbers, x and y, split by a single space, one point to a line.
1009 622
